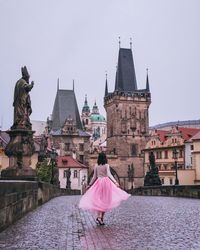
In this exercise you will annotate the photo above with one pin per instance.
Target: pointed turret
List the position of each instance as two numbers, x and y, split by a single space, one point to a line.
86 108
147 83
125 77
106 87
95 109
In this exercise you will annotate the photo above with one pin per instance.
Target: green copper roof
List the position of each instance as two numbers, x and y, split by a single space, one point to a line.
97 118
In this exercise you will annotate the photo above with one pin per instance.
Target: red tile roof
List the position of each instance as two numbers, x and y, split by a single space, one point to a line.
162 135
187 133
69 162
196 136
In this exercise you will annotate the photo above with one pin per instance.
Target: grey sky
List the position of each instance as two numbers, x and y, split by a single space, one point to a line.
79 40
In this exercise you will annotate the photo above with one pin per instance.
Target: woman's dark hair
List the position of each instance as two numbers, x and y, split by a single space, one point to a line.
102 159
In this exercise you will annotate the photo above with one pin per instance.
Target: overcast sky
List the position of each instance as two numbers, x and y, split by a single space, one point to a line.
78 40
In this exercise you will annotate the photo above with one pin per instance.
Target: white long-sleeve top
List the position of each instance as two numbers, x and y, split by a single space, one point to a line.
102 171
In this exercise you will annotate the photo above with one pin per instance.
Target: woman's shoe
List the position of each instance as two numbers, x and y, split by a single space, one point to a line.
100 221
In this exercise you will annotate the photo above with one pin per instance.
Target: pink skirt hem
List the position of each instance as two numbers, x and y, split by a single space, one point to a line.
102 196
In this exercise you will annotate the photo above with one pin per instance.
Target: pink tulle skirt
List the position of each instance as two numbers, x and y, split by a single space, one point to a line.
102 196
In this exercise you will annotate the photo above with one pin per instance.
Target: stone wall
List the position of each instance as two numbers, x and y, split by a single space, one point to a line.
19 197
189 191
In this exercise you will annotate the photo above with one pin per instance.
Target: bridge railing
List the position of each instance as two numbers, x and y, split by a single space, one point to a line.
187 191
19 197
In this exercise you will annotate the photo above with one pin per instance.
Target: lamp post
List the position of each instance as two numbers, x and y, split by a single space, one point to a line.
54 178
175 157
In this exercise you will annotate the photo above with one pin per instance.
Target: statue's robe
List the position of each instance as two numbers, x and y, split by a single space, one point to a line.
22 104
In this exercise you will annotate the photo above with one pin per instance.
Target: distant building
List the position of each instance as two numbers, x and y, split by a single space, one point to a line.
95 124
162 143
65 127
39 127
196 156
78 172
127 121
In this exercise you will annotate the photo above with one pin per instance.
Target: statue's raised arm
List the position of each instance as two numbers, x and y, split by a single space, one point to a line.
22 101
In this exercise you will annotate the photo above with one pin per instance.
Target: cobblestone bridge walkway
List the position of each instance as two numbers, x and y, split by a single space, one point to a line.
140 223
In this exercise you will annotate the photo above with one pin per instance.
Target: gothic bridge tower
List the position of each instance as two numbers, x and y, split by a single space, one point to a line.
127 120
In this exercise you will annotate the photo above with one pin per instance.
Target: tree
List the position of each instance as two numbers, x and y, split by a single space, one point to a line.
43 171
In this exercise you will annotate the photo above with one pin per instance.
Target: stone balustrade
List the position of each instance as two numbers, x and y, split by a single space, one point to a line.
18 197
187 191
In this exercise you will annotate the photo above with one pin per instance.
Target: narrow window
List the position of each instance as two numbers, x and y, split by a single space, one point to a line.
75 174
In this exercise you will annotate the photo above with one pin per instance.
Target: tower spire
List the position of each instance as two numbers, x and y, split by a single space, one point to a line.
86 108
106 87
147 82
86 103
131 43
58 84
73 84
119 42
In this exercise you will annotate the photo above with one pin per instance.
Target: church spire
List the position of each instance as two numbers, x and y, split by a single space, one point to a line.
86 103
131 43
86 108
147 82
73 84
106 87
95 109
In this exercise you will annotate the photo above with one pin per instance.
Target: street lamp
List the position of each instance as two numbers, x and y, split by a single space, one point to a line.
175 157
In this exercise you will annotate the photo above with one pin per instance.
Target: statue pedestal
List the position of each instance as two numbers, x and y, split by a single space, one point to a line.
19 150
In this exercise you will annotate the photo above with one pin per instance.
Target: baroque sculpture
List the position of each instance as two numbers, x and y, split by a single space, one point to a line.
22 101
152 177
21 145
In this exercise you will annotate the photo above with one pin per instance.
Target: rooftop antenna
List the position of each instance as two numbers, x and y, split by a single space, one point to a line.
131 43
73 84
119 42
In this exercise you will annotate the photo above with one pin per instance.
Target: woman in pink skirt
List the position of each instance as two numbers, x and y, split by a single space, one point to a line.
103 192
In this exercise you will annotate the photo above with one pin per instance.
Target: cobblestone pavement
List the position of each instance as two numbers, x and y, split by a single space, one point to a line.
139 223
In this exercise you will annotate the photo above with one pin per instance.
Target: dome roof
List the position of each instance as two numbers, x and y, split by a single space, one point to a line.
97 118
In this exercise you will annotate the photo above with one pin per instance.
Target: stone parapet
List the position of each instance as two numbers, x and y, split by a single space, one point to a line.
18 197
187 191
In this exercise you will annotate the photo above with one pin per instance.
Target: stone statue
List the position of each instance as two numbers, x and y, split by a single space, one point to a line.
130 172
22 102
152 176
152 160
21 145
43 148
